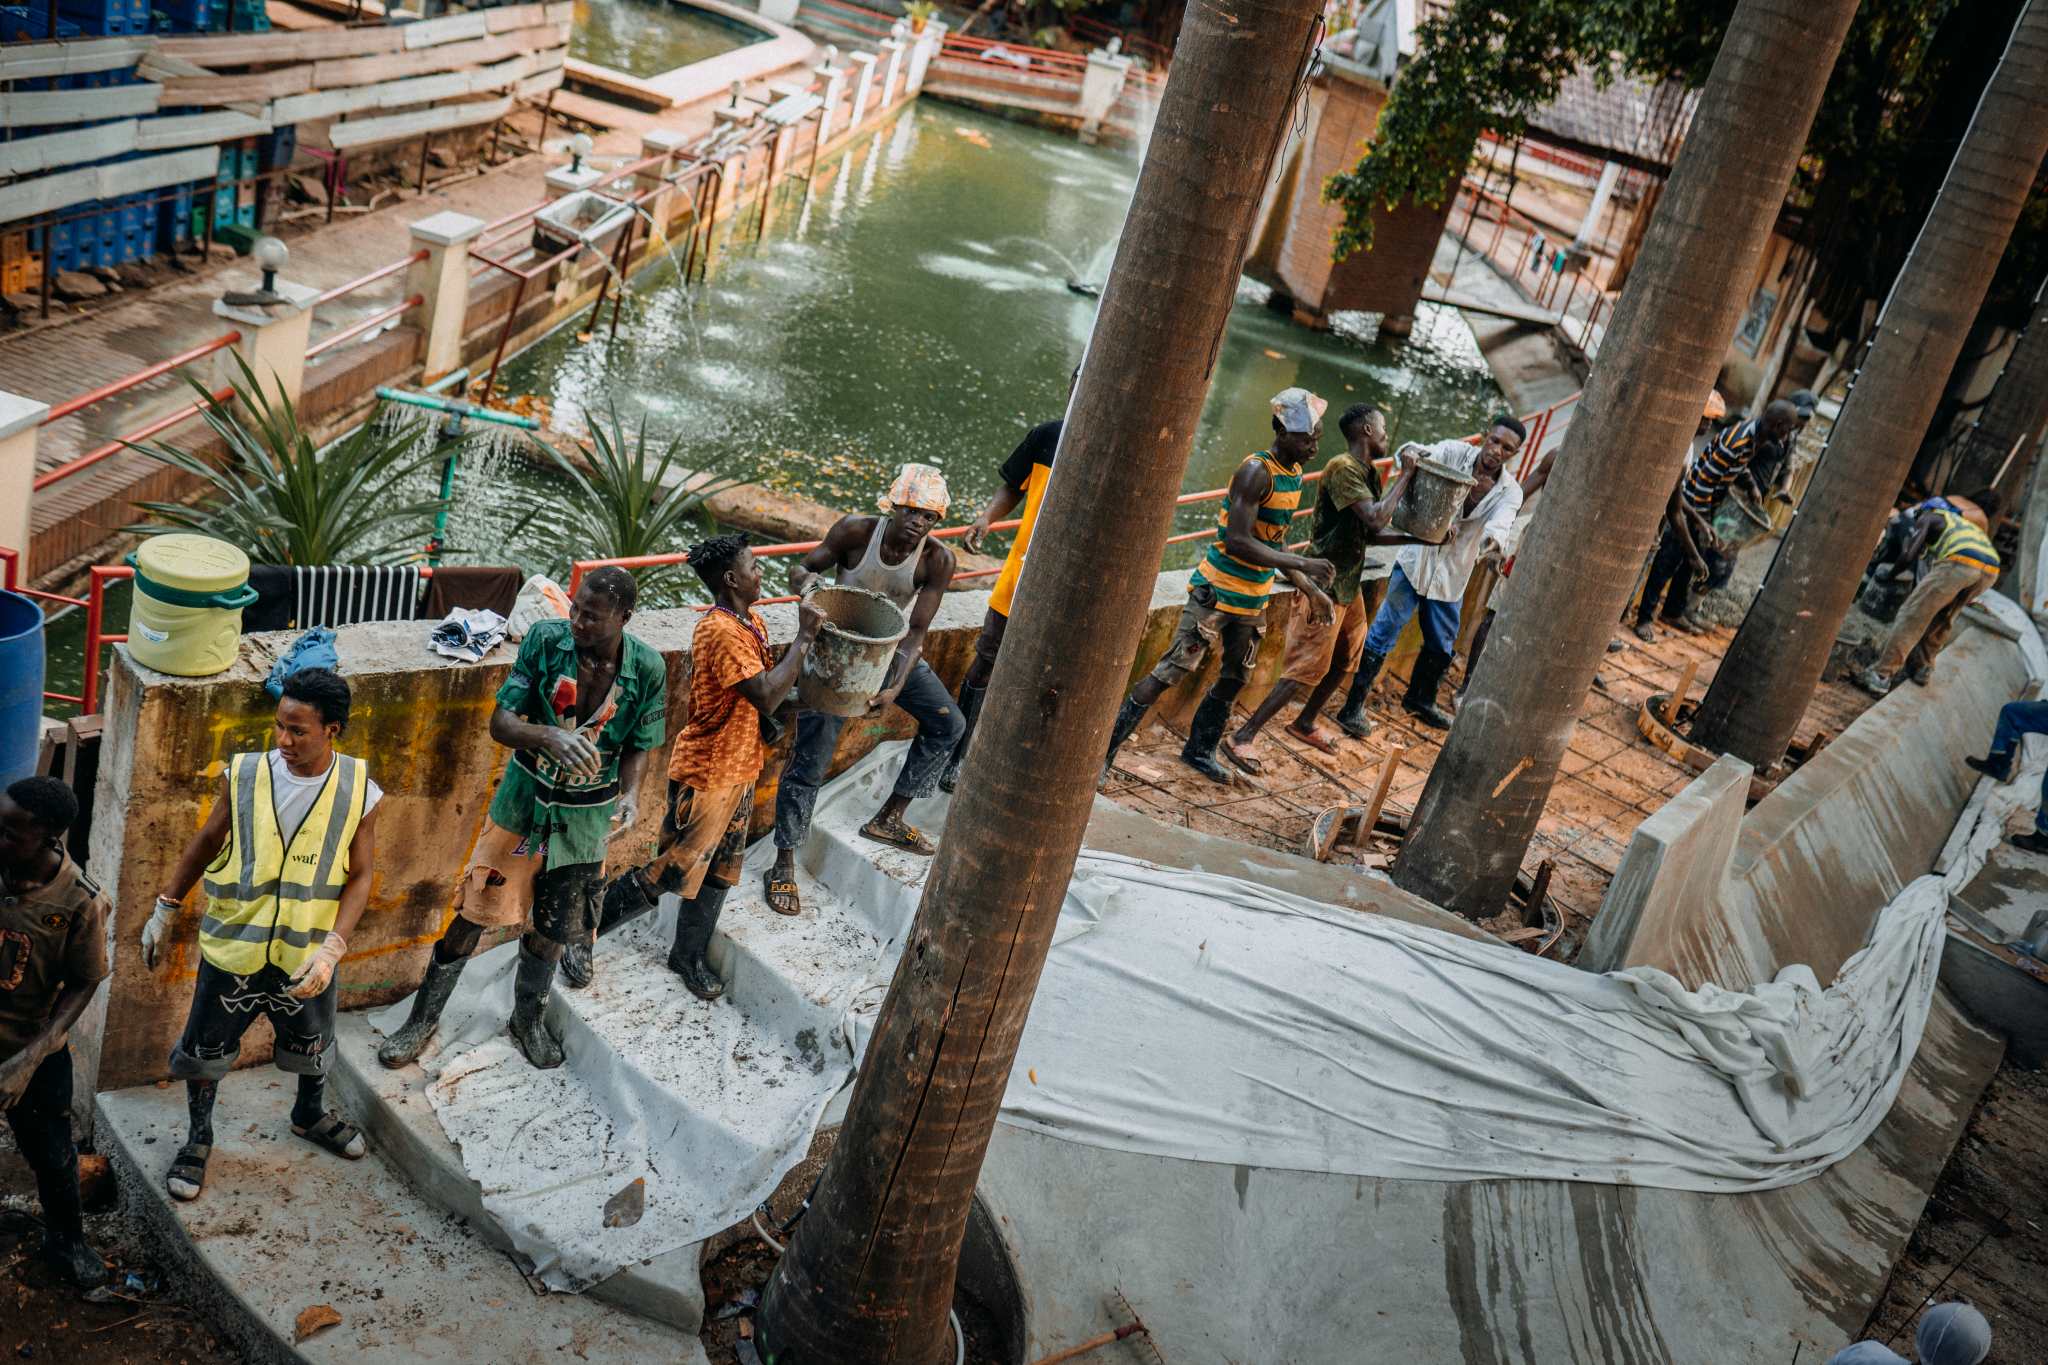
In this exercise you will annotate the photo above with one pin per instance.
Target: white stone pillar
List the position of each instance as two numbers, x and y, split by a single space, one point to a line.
273 340
1101 85
653 180
892 48
442 282
564 180
1602 192
19 420
863 86
922 52
833 79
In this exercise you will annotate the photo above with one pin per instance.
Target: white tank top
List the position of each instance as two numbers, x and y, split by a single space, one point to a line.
897 582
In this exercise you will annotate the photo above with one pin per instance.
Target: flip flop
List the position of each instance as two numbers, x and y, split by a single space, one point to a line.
898 835
1315 739
335 1134
782 896
188 1169
1242 758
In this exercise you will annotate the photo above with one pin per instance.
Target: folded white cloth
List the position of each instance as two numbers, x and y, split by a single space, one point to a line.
467 633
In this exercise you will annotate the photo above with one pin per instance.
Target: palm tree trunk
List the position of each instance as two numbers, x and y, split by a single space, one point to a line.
2013 415
869 1275
1771 670
1622 455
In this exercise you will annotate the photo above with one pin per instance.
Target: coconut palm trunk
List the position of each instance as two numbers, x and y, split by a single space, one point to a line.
1771 670
1997 450
1622 454
869 1275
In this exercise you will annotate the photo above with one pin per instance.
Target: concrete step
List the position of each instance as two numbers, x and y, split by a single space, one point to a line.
284 1226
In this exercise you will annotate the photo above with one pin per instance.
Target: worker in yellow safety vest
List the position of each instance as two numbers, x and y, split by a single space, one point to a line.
286 855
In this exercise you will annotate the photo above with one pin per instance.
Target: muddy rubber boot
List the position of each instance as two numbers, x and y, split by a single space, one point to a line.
970 710
578 965
78 1264
695 923
626 898
1127 719
1352 720
64 1247
405 1046
1420 701
1994 765
1205 732
528 1027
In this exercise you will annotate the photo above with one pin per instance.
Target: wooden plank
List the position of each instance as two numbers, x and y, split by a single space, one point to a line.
425 61
26 155
274 48
159 66
221 125
26 61
397 94
447 29
40 109
44 194
539 85
256 85
505 18
390 128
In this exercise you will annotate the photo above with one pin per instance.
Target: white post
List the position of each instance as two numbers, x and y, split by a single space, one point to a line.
1609 173
893 49
273 339
442 282
923 51
563 180
653 180
834 80
1101 85
863 83
19 420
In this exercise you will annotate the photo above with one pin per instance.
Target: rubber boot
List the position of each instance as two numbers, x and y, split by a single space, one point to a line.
64 1247
626 899
1420 701
970 710
578 965
1205 732
405 1046
695 923
1126 725
1994 765
1352 720
529 1002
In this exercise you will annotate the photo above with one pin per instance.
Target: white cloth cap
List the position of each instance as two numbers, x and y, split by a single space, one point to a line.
1298 409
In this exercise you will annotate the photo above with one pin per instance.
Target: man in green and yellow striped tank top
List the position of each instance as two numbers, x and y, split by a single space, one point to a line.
1960 564
1227 592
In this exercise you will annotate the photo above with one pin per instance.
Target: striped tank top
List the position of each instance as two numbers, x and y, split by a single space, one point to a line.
1241 588
1962 539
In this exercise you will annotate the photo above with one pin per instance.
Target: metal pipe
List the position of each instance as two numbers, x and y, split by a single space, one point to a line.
115 447
352 285
354 330
141 376
456 407
447 380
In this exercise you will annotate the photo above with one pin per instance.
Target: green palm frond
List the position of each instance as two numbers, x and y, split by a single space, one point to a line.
284 500
632 496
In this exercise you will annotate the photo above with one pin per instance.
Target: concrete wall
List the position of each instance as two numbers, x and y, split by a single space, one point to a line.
421 722
1814 861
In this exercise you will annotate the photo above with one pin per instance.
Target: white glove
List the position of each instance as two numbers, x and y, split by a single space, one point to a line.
156 934
313 978
625 814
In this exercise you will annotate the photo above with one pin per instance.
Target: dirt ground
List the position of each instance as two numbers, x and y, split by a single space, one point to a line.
42 1319
1983 1237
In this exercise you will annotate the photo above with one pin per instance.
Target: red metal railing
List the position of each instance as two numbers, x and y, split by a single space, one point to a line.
141 376
381 272
1092 30
1047 62
121 443
1532 255
357 328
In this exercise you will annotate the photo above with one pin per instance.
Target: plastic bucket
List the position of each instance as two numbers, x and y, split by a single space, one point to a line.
189 595
21 685
1430 504
850 661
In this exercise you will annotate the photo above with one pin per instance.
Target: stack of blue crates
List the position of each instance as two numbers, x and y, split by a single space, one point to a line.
27 23
248 16
111 18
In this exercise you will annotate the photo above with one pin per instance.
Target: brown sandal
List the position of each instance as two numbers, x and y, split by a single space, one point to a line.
897 834
1315 739
783 898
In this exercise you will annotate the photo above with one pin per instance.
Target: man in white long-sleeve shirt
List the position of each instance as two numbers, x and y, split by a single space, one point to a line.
1431 579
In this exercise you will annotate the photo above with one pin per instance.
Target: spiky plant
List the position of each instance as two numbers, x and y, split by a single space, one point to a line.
630 496
285 500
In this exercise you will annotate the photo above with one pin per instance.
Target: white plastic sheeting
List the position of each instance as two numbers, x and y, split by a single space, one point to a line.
1184 1014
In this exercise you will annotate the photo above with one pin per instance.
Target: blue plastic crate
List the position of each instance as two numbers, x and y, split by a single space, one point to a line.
19 23
250 157
223 205
246 215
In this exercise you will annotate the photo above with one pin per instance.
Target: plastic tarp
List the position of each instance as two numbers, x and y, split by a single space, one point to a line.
1191 1015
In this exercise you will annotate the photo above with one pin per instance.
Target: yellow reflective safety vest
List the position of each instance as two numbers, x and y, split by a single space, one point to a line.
266 903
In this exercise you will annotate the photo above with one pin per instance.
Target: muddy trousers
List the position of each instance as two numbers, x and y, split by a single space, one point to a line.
42 1130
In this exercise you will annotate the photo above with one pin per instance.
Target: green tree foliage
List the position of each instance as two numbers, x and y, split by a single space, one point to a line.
1900 96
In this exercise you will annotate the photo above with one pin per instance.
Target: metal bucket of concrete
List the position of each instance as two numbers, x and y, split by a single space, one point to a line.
1430 504
850 661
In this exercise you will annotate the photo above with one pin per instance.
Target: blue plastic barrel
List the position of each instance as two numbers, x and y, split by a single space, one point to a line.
21 685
